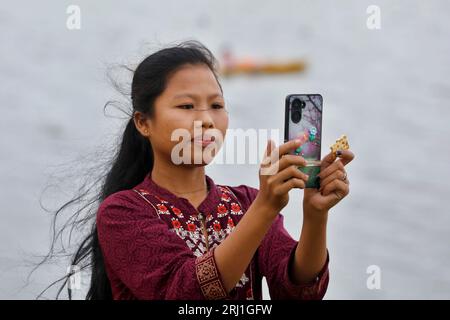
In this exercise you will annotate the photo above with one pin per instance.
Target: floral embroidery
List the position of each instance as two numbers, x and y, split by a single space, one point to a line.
177 212
176 224
221 210
216 226
191 227
236 209
225 197
162 209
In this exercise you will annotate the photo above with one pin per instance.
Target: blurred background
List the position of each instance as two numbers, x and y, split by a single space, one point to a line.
387 89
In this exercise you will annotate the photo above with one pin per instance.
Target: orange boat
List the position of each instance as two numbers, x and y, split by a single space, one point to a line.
247 66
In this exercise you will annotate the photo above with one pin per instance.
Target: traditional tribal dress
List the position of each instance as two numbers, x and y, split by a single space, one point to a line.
157 245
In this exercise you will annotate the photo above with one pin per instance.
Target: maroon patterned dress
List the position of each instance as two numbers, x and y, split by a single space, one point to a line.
157 245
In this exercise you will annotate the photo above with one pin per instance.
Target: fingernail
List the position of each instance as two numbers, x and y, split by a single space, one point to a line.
297 141
338 153
307 177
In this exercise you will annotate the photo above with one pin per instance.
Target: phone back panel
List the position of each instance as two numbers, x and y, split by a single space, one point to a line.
303 120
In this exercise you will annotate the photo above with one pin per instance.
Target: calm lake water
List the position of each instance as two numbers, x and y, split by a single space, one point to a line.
387 89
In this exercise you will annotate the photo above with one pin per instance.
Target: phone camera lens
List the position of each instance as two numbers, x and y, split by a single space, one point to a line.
297 106
296 116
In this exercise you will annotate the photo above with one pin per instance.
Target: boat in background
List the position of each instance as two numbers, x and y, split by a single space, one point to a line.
231 66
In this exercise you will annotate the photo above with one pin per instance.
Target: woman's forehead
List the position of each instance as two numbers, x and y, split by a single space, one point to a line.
193 80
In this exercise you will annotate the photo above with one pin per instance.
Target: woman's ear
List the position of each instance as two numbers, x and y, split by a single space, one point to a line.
142 124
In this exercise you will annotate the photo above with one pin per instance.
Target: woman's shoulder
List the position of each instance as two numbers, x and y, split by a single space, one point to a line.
123 197
118 204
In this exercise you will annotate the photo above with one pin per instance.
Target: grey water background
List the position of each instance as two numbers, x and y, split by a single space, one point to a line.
387 89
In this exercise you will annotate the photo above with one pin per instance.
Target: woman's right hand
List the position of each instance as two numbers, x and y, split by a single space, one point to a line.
278 174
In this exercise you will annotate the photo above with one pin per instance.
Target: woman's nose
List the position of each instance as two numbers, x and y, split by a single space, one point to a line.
204 115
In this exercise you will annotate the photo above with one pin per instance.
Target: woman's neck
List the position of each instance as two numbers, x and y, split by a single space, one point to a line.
193 184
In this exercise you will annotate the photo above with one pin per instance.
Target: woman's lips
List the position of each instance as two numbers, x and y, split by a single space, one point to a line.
203 141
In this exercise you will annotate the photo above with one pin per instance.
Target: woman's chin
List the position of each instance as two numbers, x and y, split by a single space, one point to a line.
205 160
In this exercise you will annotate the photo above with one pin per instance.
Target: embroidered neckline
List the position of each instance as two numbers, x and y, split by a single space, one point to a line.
207 205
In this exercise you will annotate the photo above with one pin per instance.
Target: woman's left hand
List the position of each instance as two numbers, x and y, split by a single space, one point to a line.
334 183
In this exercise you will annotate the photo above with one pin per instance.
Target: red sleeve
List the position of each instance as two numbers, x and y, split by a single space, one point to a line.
275 256
152 261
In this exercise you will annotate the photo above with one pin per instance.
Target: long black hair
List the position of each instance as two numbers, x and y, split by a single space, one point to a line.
131 162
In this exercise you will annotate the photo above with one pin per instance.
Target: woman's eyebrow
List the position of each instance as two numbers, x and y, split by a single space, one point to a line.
194 96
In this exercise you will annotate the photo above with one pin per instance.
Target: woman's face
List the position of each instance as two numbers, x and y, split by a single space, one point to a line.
188 115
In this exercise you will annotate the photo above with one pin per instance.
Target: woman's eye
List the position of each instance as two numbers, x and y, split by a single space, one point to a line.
217 106
186 106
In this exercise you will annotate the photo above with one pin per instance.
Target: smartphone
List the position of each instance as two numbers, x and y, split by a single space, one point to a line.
303 120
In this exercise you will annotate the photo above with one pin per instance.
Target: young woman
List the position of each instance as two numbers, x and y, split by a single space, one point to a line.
166 230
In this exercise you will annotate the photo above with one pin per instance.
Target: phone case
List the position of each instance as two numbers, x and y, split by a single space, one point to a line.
303 120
